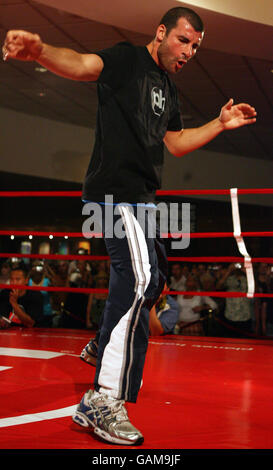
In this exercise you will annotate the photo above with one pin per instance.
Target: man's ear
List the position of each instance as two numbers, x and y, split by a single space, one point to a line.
161 32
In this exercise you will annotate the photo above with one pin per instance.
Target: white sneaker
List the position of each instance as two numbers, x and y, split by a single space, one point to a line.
108 417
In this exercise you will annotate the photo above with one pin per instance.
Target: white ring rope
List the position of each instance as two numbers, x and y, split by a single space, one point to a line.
240 242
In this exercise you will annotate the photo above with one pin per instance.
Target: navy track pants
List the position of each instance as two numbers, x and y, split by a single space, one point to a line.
138 272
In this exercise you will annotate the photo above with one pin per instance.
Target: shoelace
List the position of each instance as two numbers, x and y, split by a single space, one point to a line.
120 411
116 407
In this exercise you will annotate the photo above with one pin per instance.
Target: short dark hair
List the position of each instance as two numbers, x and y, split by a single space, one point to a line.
22 269
172 16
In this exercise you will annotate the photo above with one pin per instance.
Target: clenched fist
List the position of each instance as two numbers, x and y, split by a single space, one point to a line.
22 45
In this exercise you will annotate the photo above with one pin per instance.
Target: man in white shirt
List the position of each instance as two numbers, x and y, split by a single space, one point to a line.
178 280
190 308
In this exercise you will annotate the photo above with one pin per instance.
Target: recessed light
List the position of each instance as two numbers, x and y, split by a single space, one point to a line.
40 69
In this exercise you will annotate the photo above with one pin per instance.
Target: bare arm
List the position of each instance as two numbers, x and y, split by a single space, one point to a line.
223 279
23 316
25 46
155 326
231 117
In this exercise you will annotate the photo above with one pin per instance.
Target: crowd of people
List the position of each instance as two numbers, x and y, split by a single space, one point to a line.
59 308
174 313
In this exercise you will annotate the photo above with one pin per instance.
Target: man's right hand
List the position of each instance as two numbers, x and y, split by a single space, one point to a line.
22 45
65 62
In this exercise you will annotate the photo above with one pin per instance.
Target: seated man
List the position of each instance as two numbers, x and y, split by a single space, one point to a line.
191 308
163 315
20 306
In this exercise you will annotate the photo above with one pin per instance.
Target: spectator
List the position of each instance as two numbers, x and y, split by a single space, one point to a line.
58 276
163 315
20 306
185 270
4 273
207 282
201 270
237 312
262 303
269 314
81 275
37 277
194 271
96 303
177 280
218 271
191 309
73 266
102 268
74 309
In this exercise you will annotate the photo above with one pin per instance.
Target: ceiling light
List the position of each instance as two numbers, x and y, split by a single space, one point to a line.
40 69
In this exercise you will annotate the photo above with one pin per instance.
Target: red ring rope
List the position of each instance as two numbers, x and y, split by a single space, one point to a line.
88 290
60 257
217 259
177 192
161 193
195 259
24 233
189 192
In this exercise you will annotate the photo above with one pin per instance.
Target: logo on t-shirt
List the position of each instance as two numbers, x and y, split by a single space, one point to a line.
158 101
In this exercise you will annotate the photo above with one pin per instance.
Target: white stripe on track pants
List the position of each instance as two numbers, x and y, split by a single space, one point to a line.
138 273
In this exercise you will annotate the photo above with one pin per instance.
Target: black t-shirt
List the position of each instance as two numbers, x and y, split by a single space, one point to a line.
31 303
138 103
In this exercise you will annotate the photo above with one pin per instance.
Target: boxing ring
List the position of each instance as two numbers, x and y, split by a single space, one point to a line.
197 393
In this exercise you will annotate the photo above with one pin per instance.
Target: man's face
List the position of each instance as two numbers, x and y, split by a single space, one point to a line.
176 271
63 267
191 284
179 46
17 277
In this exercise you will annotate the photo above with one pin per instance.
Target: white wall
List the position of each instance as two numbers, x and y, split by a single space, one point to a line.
41 147
212 170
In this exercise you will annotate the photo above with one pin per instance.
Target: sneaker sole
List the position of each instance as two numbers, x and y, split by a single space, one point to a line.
115 440
80 419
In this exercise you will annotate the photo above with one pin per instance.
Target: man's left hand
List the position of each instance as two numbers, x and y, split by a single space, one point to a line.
233 116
